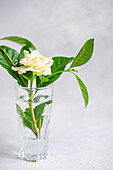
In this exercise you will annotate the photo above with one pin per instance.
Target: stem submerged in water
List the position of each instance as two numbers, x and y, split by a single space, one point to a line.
40 128
32 111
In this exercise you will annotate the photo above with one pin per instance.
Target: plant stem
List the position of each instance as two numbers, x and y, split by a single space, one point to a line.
34 121
40 128
32 111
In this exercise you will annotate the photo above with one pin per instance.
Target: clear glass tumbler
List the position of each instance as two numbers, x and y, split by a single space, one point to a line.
34 111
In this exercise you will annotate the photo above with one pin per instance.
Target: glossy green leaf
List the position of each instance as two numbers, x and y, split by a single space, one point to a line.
28 75
41 82
26 118
59 65
19 110
35 99
39 97
39 110
8 58
43 79
28 124
21 41
84 54
83 90
20 79
38 121
28 114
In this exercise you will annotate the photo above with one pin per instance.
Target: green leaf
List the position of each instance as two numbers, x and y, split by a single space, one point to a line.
83 90
28 124
58 65
8 58
26 117
20 80
21 41
39 110
21 97
73 70
43 79
52 78
21 55
19 110
28 114
84 54
37 98
38 121
28 75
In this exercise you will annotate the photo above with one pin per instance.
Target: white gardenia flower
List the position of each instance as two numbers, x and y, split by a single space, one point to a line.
35 62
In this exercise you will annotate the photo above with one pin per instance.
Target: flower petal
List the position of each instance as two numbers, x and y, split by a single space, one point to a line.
20 70
47 71
35 62
26 53
35 53
24 61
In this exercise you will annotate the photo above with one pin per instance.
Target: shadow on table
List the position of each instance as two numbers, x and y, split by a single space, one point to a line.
8 150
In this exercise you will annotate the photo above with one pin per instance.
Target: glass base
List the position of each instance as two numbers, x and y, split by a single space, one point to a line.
33 149
32 158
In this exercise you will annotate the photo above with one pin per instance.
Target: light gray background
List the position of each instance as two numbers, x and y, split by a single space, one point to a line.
80 139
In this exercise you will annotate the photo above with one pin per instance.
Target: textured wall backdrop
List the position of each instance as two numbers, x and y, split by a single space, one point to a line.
60 27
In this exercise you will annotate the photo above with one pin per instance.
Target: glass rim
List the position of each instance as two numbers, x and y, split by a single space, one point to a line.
34 88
